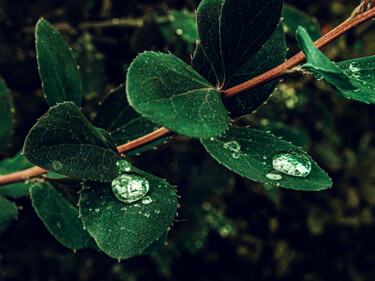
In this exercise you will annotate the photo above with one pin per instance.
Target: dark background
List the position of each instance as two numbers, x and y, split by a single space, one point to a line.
228 227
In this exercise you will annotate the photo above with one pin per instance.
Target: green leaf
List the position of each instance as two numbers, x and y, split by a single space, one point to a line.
8 212
361 74
184 24
63 141
272 54
156 246
292 18
6 115
91 66
254 156
124 230
164 89
12 165
58 69
232 31
59 216
123 123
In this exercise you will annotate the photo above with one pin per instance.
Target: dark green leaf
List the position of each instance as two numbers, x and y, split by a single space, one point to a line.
184 24
361 74
232 31
8 212
272 54
319 64
6 115
124 230
123 123
59 216
91 66
254 157
292 18
156 246
15 164
63 141
169 92
58 69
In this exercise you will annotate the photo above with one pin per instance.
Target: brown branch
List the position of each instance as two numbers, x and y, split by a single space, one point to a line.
280 70
253 83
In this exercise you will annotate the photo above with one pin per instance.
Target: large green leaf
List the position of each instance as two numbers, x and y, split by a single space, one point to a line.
292 18
123 123
250 153
63 141
272 54
8 212
232 31
169 92
59 216
6 115
361 74
12 165
123 230
61 80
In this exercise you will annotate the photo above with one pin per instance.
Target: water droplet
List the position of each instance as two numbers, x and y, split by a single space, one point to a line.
265 157
147 215
56 165
97 210
123 165
233 146
292 163
157 211
354 67
146 200
129 188
236 155
179 31
274 176
318 77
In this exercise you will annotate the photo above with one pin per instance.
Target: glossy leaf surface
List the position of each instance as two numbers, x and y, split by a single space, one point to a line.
254 158
63 141
61 80
166 90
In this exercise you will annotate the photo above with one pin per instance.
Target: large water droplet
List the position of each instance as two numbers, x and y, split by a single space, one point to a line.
233 146
292 163
274 176
123 165
129 188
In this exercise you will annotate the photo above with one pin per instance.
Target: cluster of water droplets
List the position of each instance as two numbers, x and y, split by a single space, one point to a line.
130 187
234 147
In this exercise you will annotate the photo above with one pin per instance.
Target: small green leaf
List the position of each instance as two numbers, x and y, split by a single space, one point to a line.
12 165
361 74
63 141
184 24
59 216
164 89
6 115
272 54
58 69
124 230
8 212
250 153
318 63
292 18
123 123
232 31
91 66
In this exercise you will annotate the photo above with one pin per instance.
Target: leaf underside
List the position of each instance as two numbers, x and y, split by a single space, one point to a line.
63 141
254 160
166 90
61 80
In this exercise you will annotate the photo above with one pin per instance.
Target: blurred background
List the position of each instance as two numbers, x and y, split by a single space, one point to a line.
228 228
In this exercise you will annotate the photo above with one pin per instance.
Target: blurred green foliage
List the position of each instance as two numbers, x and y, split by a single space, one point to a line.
228 228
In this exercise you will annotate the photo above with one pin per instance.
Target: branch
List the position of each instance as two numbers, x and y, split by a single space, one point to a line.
241 88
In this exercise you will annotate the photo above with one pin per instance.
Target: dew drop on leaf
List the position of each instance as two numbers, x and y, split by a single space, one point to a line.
146 200
56 165
292 163
123 165
274 176
318 77
129 188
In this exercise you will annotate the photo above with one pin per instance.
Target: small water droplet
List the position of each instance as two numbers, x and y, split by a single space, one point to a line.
265 157
147 215
57 165
58 225
354 67
123 165
157 211
233 146
235 155
97 210
129 188
292 163
274 176
146 200
179 31
318 77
